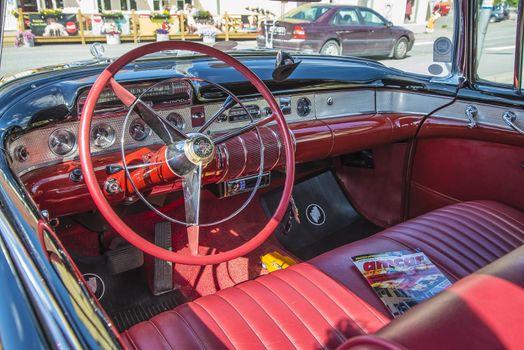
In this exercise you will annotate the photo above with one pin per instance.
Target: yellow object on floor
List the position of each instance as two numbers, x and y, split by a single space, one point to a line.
276 261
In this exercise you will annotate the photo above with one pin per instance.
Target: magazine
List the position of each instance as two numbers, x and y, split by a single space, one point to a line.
401 279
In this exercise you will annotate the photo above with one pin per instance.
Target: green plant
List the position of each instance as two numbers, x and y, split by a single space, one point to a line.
203 14
510 3
162 16
114 14
51 12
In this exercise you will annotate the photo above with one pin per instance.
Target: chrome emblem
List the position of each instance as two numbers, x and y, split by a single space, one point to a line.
202 147
96 284
315 214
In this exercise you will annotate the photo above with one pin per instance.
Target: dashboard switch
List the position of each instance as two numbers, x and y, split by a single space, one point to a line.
76 175
198 116
285 105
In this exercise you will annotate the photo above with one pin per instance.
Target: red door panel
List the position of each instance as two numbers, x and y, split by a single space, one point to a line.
450 169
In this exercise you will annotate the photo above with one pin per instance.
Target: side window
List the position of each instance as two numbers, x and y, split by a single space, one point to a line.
345 17
496 36
371 18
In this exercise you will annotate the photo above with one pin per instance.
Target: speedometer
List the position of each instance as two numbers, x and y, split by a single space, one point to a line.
103 135
62 142
138 130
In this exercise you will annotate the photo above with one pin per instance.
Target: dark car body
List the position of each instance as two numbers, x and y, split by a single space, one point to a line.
344 25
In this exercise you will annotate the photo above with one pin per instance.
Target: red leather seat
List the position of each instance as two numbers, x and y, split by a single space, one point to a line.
481 311
322 303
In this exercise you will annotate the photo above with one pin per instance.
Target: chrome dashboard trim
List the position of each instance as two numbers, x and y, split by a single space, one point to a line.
344 103
390 101
487 115
36 141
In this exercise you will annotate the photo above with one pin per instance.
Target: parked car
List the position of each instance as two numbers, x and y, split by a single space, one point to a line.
337 30
499 13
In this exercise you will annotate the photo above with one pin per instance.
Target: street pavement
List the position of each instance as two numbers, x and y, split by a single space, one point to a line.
496 63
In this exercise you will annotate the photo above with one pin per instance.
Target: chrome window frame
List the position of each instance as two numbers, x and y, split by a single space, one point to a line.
483 85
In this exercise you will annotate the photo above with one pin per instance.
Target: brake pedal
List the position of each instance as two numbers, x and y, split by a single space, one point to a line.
163 270
124 258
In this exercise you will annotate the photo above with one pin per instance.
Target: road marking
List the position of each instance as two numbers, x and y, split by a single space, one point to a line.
501 48
423 43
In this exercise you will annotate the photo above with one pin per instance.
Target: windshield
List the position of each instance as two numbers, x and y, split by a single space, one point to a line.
415 36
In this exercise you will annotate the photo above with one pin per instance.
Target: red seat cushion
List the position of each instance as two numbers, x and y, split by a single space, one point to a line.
299 306
460 239
321 303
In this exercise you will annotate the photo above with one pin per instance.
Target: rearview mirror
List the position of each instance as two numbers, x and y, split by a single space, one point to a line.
284 66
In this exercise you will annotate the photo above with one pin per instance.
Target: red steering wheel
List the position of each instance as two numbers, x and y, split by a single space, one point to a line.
192 156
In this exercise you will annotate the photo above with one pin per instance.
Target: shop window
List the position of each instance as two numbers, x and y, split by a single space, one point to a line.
128 5
53 4
104 5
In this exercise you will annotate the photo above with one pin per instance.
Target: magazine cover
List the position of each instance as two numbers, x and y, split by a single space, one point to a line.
401 279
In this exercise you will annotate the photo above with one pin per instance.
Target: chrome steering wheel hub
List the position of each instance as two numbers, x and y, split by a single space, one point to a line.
199 149
183 156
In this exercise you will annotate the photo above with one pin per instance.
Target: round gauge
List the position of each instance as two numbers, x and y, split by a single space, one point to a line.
21 153
103 135
303 106
177 120
62 142
138 130
267 111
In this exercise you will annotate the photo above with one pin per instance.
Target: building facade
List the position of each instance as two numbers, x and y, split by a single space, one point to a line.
409 13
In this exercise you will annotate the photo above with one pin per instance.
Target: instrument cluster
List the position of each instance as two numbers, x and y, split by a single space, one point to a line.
55 144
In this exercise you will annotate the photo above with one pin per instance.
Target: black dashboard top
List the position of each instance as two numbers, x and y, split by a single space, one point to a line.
52 95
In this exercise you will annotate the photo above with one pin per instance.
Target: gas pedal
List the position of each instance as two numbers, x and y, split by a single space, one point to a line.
163 273
124 258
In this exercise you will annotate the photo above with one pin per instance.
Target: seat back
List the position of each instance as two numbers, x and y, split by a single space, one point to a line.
484 310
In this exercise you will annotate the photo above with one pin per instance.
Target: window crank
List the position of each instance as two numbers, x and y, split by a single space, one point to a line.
472 113
510 118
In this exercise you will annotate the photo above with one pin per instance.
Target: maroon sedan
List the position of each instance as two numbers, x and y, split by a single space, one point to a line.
337 30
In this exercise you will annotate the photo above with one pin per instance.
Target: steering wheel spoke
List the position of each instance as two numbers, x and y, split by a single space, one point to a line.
251 126
228 103
167 132
191 186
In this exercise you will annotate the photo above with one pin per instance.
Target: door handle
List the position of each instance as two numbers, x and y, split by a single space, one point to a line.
510 118
471 113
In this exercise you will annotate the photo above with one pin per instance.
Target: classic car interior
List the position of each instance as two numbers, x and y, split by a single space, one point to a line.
150 187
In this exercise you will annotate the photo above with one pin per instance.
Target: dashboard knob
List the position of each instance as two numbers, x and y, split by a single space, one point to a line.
112 186
76 175
267 112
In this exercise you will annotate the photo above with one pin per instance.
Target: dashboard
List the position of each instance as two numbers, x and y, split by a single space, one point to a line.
325 119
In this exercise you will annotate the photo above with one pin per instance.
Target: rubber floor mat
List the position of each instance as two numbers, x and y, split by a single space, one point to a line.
126 296
327 218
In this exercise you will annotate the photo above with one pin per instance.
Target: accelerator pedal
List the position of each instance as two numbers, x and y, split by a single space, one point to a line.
163 273
123 257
